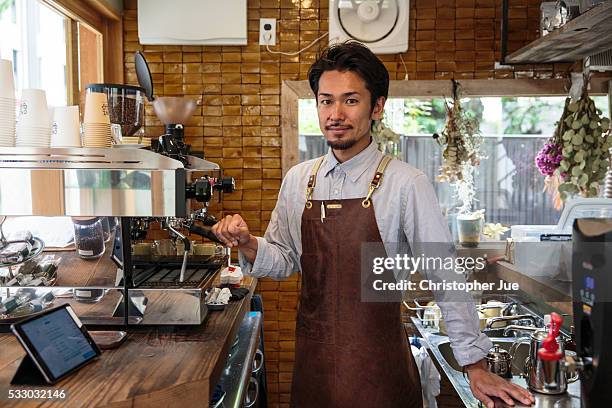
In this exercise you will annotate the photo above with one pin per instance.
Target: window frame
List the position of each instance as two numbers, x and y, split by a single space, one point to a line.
293 91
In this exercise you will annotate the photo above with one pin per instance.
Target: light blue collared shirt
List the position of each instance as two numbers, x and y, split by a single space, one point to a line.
406 209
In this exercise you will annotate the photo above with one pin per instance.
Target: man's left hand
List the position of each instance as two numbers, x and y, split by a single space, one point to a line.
485 385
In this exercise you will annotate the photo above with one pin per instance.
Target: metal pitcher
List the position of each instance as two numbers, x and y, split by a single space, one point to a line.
499 362
545 377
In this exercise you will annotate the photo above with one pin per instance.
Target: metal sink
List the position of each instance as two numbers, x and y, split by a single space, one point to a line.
518 362
440 350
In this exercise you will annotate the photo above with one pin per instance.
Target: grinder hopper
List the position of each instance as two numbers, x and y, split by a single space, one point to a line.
173 111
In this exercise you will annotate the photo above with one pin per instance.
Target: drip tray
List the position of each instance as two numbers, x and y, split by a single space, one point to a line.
158 298
166 273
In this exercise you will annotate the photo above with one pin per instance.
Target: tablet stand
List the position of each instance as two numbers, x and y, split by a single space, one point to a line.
28 373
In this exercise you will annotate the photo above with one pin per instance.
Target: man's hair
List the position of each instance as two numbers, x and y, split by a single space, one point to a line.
355 57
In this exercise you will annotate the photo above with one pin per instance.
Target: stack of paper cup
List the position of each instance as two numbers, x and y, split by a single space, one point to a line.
136 140
65 129
96 122
34 126
8 104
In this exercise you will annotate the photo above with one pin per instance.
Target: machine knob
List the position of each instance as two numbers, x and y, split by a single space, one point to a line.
228 184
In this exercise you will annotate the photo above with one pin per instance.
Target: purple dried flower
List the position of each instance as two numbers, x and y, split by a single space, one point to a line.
549 158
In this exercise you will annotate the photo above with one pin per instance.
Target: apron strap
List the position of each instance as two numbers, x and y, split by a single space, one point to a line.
375 183
312 181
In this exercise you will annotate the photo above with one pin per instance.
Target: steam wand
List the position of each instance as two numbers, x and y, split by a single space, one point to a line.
187 248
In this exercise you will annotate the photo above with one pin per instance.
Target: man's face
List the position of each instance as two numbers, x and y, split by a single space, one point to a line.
345 111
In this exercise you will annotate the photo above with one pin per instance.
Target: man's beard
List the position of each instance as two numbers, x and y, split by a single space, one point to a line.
342 144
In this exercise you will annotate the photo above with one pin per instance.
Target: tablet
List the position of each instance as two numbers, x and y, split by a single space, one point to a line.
57 342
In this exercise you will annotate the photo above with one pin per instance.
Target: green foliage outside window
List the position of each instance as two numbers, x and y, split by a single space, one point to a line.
4 5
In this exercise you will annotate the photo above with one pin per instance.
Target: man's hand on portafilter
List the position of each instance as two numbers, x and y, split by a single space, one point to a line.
485 385
233 231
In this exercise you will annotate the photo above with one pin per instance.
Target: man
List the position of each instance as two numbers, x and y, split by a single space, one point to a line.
351 353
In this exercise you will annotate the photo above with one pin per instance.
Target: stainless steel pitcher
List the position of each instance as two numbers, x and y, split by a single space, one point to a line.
545 377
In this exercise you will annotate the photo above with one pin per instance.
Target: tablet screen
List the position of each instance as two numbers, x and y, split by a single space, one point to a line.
58 341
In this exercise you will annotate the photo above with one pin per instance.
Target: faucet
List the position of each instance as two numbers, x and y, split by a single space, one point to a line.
491 321
518 328
506 309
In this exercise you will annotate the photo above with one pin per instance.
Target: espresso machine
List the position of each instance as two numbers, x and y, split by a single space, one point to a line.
165 185
592 308
138 187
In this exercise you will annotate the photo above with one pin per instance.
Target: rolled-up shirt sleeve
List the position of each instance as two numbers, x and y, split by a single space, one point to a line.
425 227
277 254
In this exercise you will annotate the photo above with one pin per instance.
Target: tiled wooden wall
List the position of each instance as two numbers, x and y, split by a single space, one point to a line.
238 115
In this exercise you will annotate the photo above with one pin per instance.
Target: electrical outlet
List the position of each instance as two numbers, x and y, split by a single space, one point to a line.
267 31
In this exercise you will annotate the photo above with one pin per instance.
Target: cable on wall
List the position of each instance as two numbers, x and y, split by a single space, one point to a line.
268 37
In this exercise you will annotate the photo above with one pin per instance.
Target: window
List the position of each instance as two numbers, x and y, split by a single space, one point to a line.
508 183
39 40
33 36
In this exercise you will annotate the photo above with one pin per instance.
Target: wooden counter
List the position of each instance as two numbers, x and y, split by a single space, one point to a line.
155 367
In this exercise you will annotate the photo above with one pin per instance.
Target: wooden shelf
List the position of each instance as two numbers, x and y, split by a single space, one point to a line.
587 34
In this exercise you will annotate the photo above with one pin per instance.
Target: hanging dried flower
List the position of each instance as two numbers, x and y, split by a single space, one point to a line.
460 139
585 145
388 141
462 142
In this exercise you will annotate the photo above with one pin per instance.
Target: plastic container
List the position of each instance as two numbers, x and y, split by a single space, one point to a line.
535 257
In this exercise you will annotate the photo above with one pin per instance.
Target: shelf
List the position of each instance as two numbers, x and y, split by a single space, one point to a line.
586 35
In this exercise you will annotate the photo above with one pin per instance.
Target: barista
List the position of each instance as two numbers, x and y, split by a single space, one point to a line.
351 353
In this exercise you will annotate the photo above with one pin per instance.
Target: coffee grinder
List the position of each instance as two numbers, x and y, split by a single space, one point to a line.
592 301
172 111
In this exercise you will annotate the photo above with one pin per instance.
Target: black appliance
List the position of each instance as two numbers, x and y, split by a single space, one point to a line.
592 296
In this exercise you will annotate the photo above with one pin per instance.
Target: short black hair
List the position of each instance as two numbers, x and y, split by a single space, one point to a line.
352 56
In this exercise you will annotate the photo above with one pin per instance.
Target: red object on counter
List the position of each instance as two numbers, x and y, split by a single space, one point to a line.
550 347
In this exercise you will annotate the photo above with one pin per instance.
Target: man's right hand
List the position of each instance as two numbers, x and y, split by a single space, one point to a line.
232 231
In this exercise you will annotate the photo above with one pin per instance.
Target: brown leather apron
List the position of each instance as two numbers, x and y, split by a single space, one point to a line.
349 354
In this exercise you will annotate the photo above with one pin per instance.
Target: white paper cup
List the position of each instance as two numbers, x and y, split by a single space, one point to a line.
32 136
33 109
7 140
65 129
7 81
96 108
26 137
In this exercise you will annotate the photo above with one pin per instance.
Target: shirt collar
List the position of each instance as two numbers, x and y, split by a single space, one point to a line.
355 166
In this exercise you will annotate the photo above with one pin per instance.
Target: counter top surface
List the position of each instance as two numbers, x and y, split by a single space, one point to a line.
154 367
